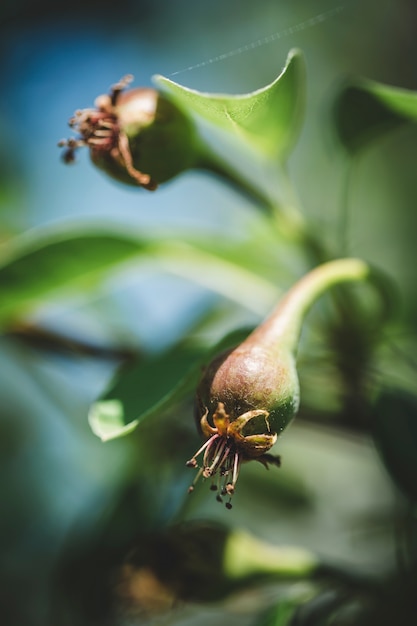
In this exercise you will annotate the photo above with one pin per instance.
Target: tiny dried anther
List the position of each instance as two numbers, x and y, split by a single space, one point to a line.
99 129
227 447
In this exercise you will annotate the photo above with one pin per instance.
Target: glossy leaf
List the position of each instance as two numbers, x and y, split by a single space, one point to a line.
267 120
366 109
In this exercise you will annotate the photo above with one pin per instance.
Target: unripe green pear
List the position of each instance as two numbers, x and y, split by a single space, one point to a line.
137 136
250 378
248 396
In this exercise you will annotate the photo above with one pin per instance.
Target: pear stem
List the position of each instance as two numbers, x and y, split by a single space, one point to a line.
283 326
285 216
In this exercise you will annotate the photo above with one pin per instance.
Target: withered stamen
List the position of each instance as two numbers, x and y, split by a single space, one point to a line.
191 487
222 459
219 450
193 461
99 129
225 448
118 87
236 467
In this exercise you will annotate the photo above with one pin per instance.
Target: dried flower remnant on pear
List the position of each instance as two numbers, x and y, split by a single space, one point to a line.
248 395
136 136
245 399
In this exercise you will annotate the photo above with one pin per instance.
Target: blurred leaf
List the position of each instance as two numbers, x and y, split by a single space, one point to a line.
34 267
220 269
50 262
395 432
107 420
151 386
247 556
366 109
267 120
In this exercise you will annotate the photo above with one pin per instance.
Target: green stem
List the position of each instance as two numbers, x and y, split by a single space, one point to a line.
285 215
212 163
283 326
344 221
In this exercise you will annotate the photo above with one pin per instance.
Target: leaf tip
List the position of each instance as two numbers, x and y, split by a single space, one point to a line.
106 420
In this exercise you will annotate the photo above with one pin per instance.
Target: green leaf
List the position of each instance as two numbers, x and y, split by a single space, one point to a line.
107 420
366 109
221 269
246 556
267 120
54 261
151 386
49 263
148 385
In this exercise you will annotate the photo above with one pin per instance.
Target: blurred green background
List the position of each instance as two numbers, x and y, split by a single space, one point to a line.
61 487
